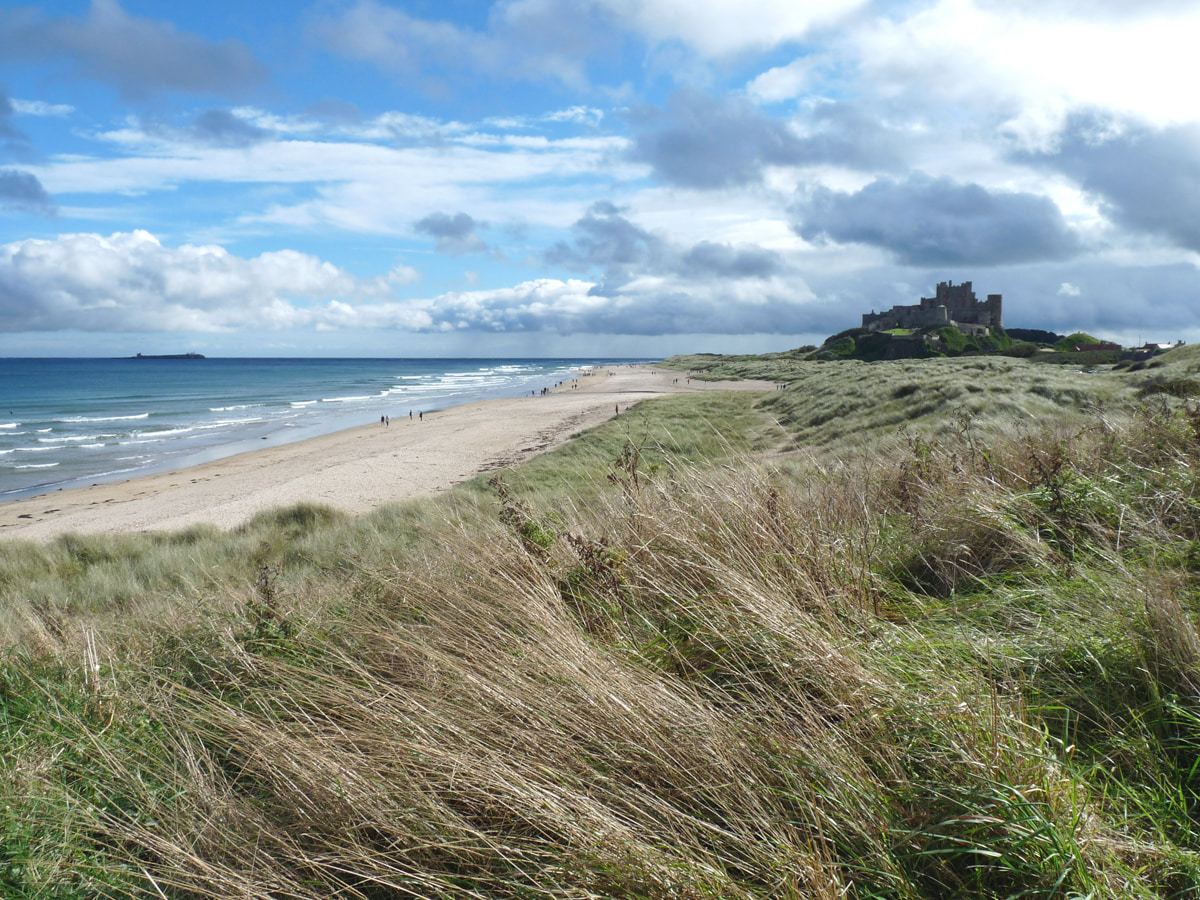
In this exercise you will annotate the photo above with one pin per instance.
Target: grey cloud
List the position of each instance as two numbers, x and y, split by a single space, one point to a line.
928 221
857 138
22 191
138 56
1147 179
12 138
701 141
604 239
454 234
724 261
222 128
1156 302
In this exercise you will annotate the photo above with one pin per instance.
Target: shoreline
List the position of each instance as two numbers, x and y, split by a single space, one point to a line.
354 470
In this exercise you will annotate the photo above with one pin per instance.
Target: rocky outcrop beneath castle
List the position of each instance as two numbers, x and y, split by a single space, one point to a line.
952 304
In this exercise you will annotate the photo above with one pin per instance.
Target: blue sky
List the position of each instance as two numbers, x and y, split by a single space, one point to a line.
585 177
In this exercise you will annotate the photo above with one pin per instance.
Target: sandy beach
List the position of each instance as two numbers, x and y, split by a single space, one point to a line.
353 470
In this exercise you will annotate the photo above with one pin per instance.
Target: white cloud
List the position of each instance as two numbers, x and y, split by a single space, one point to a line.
1066 289
783 82
1040 64
580 114
361 186
722 27
41 108
402 274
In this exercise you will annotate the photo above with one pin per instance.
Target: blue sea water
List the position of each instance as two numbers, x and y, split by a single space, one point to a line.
71 422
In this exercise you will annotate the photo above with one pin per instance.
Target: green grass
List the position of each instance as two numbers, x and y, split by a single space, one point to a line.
831 408
768 367
904 630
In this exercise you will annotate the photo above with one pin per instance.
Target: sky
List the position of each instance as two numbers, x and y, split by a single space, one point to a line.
587 177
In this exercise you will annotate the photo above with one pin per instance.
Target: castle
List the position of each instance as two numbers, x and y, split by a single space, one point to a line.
952 305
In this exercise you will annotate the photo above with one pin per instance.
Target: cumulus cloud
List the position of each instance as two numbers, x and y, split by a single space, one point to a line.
657 306
136 55
604 239
1147 179
937 221
131 282
22 191
454 235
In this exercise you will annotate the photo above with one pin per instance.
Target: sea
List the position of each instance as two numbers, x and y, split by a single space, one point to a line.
73 422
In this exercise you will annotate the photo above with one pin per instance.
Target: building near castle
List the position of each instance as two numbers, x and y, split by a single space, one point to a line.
953 304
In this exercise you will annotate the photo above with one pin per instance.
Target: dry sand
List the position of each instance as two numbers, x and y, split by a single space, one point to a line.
354 470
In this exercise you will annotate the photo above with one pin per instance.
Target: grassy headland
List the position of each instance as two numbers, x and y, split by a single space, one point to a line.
907 630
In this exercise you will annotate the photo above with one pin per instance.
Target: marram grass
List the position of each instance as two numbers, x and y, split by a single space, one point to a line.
965 665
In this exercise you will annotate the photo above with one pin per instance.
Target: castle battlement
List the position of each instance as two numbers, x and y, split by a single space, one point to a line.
951 305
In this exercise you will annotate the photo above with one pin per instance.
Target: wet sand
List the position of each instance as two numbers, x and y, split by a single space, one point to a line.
354 470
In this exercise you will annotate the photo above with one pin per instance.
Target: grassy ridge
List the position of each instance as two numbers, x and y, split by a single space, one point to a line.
962 661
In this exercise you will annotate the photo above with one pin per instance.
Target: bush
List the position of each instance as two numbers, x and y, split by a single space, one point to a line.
1071 341
1022 350
1034 336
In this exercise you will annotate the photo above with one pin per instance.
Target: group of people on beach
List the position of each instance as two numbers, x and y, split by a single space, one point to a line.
385 421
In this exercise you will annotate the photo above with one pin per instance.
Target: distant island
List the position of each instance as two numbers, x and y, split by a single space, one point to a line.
168 356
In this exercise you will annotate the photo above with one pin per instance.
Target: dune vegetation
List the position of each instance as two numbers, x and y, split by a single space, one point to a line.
913 629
